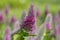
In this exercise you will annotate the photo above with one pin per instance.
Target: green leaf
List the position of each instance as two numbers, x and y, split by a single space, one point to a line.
20 38
47 37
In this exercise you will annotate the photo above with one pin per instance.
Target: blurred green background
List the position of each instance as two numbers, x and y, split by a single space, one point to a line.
17 6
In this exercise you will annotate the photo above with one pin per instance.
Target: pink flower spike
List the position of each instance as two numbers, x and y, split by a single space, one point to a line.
57 26
29 22
13 19
48 21
1 18
46 10
7 9
7 34
31 10
48 18
56 18
38 13
16 27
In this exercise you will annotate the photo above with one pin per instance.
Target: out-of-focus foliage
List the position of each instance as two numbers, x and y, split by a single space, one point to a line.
14 3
